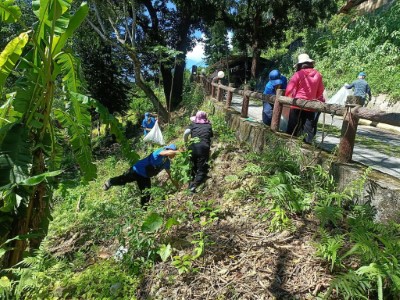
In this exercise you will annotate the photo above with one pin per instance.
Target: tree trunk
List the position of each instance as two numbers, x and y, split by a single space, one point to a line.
33 219
162 112
173 98
254 61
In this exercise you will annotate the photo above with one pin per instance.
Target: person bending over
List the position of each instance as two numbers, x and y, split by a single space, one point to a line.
200 128
144 169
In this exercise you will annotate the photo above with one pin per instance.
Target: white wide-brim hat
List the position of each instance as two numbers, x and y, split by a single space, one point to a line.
302 58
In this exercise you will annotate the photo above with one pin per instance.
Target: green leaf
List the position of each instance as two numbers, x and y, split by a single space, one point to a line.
70 67
78 130
2 252
34 180
115 126
10 201
10 56
9 13
152 223
171 222
165 252
74 22
15 155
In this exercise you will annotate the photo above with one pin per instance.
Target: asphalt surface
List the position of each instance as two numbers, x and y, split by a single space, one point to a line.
363 154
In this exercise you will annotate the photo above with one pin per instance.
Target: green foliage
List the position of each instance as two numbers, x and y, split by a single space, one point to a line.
216 43
193 96
5 288
165 252
221 129
183 263
329 247
343 47
279 219
205 213
181 167
152 223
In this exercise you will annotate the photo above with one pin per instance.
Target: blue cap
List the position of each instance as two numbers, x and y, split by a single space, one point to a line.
170 147
362 74
147 114
274 75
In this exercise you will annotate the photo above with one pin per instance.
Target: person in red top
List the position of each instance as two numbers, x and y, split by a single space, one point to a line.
305 84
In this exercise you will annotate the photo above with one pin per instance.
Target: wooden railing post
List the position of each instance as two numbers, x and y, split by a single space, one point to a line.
349 130
212 88
277 111
245 103
229 96
220 92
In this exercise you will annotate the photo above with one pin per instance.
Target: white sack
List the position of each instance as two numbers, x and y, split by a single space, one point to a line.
155 135
341 96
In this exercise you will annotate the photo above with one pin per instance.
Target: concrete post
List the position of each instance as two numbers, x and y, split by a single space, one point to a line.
277 111
229 96
245 103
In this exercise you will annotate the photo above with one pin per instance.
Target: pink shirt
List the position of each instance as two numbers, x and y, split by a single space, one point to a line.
306 84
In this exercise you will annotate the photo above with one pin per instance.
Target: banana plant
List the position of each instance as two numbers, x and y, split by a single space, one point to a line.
44 100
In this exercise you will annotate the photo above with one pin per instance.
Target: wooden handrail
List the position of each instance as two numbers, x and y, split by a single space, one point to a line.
337 110
351 113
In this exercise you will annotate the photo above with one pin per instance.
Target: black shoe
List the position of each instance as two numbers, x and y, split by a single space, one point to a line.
107 185
192 189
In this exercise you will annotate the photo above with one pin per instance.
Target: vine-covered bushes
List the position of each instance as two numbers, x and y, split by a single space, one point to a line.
347 45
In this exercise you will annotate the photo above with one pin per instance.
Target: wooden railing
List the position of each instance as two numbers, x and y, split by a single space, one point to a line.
351 113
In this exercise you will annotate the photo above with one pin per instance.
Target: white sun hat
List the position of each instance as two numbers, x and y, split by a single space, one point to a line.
302 58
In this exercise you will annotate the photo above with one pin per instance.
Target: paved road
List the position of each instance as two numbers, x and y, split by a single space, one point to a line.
361 154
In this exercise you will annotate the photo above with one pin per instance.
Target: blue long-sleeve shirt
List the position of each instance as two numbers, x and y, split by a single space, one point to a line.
361 88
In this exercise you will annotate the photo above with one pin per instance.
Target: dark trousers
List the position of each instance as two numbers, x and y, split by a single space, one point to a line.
131 176
303 122
200 156
267 113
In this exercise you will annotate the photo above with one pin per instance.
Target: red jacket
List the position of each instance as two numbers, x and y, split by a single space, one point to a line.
306 84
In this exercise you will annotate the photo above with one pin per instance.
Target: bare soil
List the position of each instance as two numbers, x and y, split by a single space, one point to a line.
243 259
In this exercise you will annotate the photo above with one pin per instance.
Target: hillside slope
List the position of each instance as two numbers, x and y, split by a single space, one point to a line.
243 258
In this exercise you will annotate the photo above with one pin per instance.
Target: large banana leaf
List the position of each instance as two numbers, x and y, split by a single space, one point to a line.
70 67
79 139
15 155
9 13
50 10
53 17
115 126
27 91
7 113
74 22
10 56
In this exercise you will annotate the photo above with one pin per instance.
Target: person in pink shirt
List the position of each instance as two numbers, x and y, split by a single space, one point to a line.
305 84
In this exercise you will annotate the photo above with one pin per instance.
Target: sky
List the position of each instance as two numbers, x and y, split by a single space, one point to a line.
196 56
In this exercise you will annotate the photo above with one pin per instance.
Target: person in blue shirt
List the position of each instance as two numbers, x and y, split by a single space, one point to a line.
148 123
276 81
144 169
361 88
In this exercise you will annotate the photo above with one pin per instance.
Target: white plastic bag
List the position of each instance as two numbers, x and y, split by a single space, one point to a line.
155 135
341 96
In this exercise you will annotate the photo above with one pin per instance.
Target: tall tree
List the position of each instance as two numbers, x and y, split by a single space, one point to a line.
257 24
216 42
143 28
104 70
